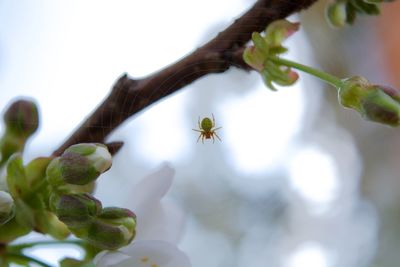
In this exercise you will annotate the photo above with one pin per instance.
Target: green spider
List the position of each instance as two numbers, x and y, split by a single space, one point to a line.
206 129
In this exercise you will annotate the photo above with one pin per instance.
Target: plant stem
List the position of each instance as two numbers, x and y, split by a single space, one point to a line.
326 77
49 242
27 258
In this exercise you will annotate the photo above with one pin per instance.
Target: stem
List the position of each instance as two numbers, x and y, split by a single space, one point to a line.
28 258
326 77
49 242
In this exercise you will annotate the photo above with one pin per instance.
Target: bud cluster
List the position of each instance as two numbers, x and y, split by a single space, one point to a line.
24 201
266 47
71 177
52 196
340 12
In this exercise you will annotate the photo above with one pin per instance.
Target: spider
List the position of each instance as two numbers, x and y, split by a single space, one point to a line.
206 129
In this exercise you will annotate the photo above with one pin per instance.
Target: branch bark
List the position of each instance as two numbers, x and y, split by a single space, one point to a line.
130 96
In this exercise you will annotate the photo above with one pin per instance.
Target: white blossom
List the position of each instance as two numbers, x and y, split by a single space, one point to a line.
159 227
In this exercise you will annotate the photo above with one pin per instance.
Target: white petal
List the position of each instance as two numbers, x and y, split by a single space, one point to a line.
151 189
155 253
164 221
110 258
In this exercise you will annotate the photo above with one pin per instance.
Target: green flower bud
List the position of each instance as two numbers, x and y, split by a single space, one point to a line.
380 107
7 207
352 91
97 154
374 102
336 14
22 118
114 228
53 173
75 210
79 165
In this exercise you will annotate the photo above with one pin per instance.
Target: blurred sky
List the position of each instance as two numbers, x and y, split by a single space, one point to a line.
267 195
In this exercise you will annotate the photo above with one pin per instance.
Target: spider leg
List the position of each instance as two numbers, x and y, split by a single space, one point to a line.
198 138
197 130
213 138
213 125
202 139
217 128
199 123
218 137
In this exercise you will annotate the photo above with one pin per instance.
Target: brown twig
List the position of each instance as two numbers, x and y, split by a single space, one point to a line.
130 96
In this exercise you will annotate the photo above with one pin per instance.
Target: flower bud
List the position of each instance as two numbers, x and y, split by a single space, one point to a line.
75 210
22 118
374 102
336 14
352 91
113 228
79 165
380 107
7 207
97 154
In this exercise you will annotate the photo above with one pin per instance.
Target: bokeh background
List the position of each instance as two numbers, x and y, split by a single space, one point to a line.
296 181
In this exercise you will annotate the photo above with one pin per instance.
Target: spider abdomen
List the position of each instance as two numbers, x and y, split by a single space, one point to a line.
206 125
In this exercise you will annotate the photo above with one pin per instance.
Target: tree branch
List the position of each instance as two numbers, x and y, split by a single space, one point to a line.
130 96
